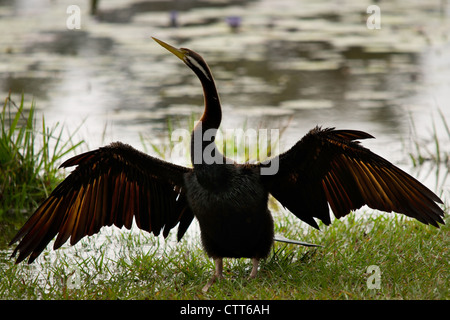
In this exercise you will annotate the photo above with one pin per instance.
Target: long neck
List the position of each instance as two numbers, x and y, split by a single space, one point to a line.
203 147
212 115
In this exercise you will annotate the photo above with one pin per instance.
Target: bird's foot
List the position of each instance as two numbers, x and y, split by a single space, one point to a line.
217 274
211 282
254 271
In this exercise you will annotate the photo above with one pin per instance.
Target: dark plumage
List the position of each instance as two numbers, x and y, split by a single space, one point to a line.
116 183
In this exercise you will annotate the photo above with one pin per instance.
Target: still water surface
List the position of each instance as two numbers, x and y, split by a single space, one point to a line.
300 63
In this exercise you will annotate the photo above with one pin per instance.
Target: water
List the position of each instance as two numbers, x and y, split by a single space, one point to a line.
290 62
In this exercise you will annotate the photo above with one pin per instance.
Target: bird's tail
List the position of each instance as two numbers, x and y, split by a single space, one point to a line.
301 243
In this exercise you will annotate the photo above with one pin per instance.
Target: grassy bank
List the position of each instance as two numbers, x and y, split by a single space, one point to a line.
412 258
30 153
29 158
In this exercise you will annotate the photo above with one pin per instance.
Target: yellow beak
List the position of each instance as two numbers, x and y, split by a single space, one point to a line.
178 52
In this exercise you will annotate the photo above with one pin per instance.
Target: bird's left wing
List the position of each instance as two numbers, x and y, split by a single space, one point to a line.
329 166
110 185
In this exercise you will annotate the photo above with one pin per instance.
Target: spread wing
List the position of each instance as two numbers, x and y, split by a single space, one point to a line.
328 166
110 185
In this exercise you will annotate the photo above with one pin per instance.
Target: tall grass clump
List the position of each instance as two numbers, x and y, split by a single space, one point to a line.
29 158
242 144
436 149
431 153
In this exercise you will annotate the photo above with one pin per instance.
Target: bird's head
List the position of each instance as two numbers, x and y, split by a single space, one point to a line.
191 58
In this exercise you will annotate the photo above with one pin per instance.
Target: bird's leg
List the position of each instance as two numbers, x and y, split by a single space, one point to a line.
217 274
254 271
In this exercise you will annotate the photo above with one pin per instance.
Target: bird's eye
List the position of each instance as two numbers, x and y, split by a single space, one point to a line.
188 58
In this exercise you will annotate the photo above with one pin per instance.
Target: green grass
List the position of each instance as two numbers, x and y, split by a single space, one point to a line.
28 158
430 153
413 260
436 149
119 264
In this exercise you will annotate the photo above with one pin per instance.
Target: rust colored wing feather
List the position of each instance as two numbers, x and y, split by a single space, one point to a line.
110 185
328 167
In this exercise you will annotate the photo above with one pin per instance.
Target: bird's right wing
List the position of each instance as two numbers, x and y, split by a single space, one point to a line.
110 185
328 166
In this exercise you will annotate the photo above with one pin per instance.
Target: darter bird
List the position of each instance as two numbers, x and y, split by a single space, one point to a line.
116 184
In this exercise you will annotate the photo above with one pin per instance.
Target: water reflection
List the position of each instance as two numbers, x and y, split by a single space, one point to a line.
290 62
314 63
78 43
126 14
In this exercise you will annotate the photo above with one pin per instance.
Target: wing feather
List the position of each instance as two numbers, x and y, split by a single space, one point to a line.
349 177
110 185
